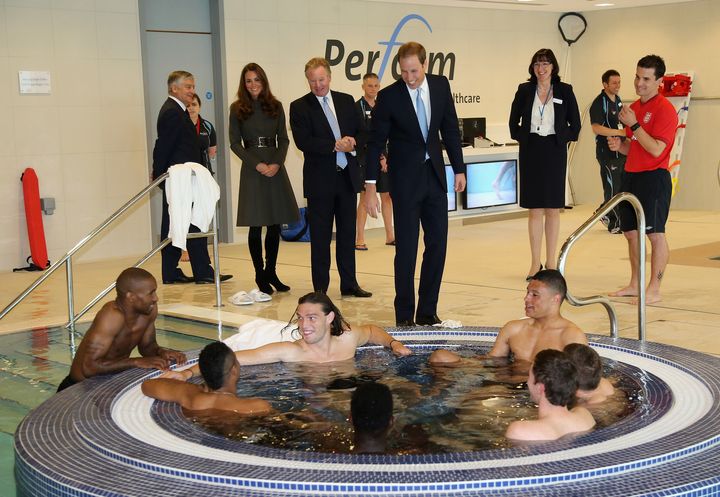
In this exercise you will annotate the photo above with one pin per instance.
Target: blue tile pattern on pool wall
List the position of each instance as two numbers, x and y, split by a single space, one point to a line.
70 445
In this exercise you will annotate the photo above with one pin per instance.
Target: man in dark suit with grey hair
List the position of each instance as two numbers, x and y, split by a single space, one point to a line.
177 142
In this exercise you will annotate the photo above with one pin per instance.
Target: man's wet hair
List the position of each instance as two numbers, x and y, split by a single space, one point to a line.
653 62
588 365
609 74
371 408
129 278
555 370
338 325
553 279
215 362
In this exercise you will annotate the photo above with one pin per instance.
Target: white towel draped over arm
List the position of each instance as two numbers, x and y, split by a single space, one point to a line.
191 193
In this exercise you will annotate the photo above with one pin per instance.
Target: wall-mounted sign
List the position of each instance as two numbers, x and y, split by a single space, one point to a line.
34 82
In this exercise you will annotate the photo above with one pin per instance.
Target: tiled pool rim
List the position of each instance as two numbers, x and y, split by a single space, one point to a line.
637 469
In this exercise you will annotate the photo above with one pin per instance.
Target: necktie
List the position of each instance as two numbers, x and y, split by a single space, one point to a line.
341 159
422 116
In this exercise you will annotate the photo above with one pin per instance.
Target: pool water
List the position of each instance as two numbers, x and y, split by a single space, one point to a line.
463 408
33 363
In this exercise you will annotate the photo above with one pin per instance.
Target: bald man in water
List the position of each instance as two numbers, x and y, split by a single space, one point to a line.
120 326
544 329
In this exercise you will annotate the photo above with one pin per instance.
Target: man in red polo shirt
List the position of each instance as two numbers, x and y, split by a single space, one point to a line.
650 125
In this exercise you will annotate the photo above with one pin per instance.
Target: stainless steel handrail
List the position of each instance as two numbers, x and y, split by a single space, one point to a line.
601 299
67 260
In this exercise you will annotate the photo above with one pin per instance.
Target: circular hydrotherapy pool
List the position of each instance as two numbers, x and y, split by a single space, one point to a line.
103 437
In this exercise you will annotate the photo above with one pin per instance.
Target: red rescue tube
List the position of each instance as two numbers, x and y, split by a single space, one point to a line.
36 232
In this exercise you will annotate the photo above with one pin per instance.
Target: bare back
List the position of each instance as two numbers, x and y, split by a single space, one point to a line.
551 427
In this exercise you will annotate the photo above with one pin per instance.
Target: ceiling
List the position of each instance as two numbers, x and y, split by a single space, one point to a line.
540 5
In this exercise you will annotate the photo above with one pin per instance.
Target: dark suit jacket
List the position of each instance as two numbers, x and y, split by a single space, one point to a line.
314 137
567 116
177 140
394 120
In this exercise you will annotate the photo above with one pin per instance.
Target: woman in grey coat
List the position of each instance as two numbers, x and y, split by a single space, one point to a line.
259 138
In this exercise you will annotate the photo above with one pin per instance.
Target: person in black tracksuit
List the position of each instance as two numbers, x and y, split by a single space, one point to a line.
604 113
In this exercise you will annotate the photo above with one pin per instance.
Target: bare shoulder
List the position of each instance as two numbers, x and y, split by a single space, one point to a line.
573 334
110 320
514 327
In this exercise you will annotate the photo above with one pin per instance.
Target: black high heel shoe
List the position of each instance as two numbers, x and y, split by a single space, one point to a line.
530 277
262 283
272 278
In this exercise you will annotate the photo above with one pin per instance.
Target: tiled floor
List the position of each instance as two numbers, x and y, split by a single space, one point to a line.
483 282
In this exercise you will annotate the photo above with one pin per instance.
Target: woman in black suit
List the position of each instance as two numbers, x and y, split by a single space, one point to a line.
544 117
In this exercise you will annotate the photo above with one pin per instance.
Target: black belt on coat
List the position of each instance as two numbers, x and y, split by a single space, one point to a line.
260 142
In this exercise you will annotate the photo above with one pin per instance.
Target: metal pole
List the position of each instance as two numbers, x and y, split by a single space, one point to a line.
641 269
216 260
598 299
70 294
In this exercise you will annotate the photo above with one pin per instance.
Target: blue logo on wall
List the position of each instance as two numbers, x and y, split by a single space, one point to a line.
358 63
208 95
393 40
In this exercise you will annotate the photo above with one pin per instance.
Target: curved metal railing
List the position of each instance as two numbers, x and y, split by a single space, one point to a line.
602 299
66 260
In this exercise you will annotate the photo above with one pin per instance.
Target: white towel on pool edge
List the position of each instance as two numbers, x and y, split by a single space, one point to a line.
258 332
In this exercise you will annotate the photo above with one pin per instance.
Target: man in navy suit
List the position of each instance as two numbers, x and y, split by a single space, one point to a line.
410 115
177 142
324 125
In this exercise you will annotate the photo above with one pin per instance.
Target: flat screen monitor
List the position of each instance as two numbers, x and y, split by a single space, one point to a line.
452 196
490 184
472 127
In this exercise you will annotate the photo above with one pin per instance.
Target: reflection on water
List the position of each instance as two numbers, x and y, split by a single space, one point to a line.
437 409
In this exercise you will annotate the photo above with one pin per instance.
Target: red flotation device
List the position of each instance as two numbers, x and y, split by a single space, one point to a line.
36 232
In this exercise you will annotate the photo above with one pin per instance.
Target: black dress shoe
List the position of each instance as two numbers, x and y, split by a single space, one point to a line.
181 278
405 322
355 292
428 320
211 279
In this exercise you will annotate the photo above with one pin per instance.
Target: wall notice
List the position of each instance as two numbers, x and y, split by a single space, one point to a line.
34 82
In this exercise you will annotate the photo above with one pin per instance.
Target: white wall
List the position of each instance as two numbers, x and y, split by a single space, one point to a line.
86 140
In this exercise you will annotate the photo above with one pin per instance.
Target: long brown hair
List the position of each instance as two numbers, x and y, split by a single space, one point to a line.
242 108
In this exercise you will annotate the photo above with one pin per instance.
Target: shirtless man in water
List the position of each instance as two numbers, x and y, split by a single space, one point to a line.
220 371
325 336
552 384
119 327
545 328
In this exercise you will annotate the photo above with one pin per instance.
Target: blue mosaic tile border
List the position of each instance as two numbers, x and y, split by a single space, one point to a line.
47 463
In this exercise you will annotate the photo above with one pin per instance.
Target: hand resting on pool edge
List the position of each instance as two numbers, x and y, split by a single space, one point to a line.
220 371
324 336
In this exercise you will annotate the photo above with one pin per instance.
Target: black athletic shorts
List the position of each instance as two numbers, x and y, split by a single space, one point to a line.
653 189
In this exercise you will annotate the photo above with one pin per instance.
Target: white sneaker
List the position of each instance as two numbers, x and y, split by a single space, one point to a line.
241 298
258 296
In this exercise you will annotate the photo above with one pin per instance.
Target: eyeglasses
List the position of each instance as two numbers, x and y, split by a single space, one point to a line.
542 64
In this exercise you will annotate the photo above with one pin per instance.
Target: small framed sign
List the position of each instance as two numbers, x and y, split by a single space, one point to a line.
34 82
